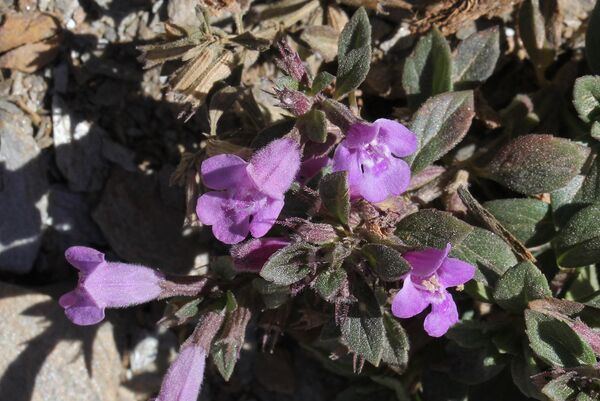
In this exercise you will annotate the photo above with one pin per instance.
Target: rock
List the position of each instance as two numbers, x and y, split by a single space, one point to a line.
46 357
141 228
26 28
31 57
183 12
23 188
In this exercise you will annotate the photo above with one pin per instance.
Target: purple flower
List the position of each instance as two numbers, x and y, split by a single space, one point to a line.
252 255
370 153
432 272
249 195
185 375
105 284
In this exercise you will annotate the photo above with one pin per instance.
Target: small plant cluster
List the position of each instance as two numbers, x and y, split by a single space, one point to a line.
346 230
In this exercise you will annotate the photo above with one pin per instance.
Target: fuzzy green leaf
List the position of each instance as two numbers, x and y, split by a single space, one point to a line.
527 219
387 263
432 228
578 242
440 124
428 70
335 195
273 295
314 125
555 342
354 53
561 388
395 343
321 81
532 31
586 98
288 265
519 285
363 330
329 282
533 164
475 58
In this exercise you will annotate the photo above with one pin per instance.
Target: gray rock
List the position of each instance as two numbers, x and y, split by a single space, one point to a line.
23 187
46 357
183 12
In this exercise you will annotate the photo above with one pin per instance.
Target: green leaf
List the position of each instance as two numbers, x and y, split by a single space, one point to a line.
329 282
428 70
432 228
555 342
475 58
354 53
440 124
522 367
184 314
335 195
561 388
486 251
519 285
313 125
395 343
586 98
578 242
529 220
288 265
321 81
471 333
533 164
387 263
363 330
592 40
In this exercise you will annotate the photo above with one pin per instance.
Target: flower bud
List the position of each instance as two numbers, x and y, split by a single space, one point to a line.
291 63
294 101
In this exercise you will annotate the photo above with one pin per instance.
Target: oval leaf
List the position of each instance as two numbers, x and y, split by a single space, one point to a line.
440 124
288 265
475 58
578 243
387 263
533 164
519 285
354 53
335 195
428 70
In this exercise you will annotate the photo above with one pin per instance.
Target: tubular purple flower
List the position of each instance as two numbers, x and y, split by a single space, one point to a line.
183 380
105 284
251 255
371 155
248 196
432 273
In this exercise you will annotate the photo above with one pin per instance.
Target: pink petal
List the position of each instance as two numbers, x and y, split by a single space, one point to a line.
399 139
428 261
360 134
183 380
345 159
118 285
223 171
81 308
409 301
455 272
263 220
230 231
274 167
378 186
83 258
442 316
311 167
209 207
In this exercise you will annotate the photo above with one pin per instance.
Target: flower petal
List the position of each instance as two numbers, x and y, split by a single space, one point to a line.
428 261
409 301
455 272
183 380
399 139
263 220
360 134
442 316
223 171
230 231
310 167
345 159
274 167
378 186
81 308
117 285
209 207
83 258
